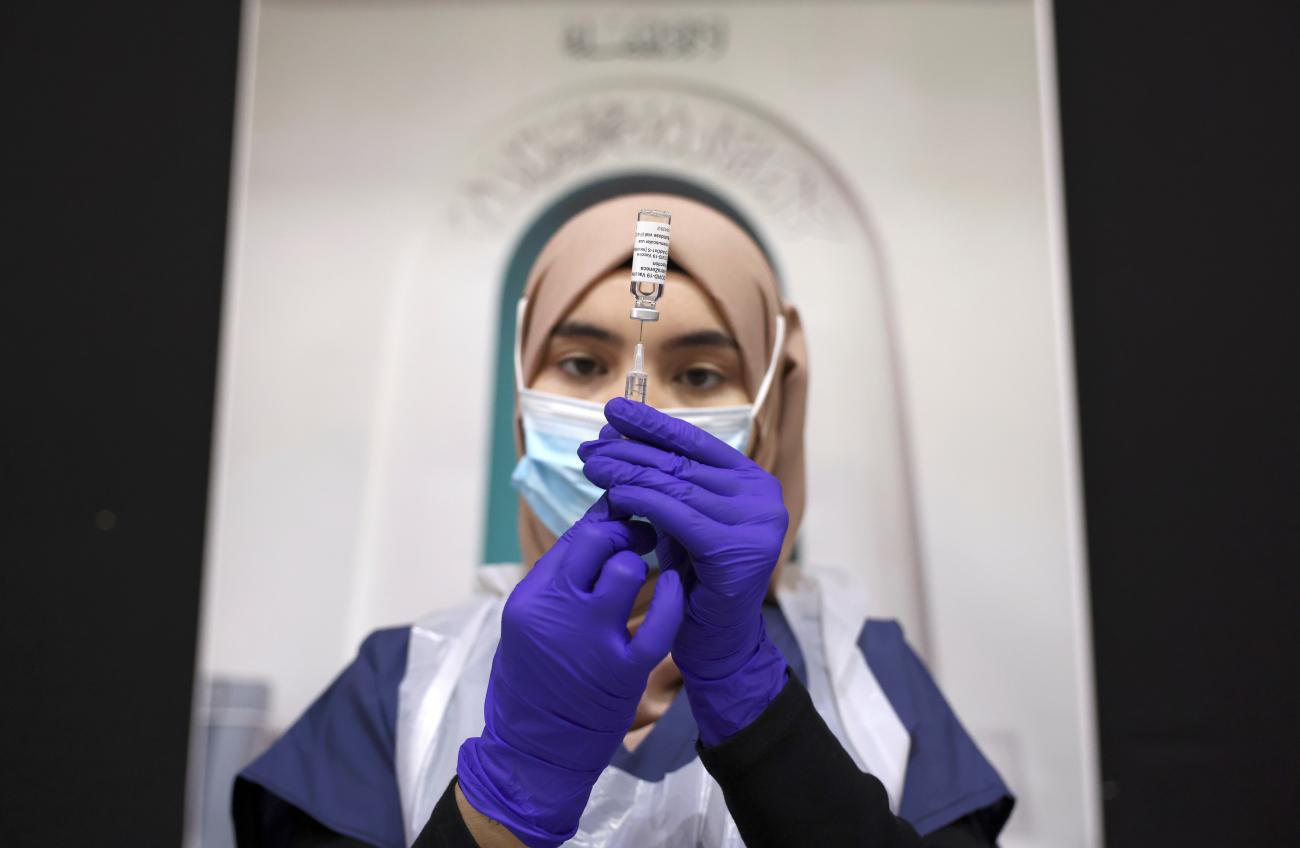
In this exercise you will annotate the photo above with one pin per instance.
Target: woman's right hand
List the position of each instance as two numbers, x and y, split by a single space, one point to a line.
723 520
567 677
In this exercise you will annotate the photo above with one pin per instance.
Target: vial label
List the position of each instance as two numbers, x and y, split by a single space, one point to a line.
650 254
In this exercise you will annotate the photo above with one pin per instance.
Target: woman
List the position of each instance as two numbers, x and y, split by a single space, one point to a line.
549 708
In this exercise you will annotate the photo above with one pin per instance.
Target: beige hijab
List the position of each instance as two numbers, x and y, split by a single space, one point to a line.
726 263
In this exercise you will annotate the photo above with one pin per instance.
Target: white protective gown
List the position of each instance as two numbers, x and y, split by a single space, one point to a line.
440 704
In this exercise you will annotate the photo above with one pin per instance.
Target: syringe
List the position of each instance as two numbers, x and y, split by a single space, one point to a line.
636 378
649 270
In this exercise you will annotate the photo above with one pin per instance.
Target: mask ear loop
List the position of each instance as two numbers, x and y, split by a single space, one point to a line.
519 344
778 345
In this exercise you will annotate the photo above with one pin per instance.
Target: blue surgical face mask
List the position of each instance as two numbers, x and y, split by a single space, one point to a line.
549 474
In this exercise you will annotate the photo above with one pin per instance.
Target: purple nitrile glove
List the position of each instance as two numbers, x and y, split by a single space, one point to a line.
721 521
567 678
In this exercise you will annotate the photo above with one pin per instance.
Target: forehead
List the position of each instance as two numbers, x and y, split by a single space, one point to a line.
684 303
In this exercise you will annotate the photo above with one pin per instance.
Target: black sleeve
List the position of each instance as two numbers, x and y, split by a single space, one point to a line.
446 828
788 781
264 820
966 832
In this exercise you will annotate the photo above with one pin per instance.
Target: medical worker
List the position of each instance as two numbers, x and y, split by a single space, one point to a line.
724 696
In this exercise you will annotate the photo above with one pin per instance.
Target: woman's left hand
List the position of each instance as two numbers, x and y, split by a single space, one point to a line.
566 678
726 514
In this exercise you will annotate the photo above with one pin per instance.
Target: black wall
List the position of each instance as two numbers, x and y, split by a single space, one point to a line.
1180 146
116 147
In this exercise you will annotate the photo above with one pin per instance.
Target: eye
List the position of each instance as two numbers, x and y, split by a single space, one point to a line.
582 367
700 379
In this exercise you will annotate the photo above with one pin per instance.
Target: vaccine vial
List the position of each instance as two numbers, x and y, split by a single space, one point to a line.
649 262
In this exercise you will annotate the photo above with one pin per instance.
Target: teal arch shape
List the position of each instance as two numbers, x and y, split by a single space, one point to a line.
501 536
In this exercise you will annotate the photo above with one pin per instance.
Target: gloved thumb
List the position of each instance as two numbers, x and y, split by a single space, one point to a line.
655 636
598 511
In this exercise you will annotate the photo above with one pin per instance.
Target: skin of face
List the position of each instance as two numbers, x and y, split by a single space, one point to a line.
690 355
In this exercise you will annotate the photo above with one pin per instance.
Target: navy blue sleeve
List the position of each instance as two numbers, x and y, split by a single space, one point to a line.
947 776
336 762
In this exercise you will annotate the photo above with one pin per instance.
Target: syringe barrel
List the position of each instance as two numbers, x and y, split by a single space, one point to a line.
635 388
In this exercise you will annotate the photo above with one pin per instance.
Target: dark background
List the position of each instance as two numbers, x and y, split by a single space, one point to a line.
117 139
1180 145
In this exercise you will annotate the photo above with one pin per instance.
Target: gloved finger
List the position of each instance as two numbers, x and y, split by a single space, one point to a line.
549 563
621 577
601 510
639 421
687 525
598 511
723 481
592 543
654 637
607 431
607 473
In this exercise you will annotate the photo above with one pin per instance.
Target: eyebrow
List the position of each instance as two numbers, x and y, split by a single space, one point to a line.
701 338
579 329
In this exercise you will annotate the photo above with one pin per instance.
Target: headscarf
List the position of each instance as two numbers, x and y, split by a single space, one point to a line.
731 269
